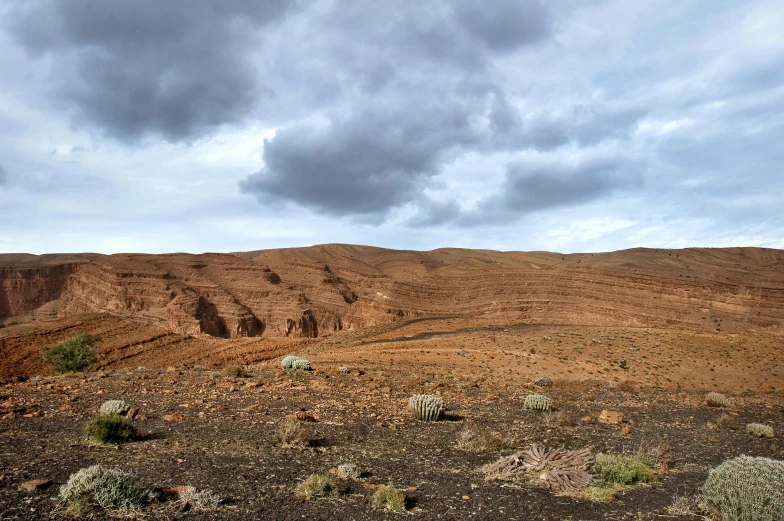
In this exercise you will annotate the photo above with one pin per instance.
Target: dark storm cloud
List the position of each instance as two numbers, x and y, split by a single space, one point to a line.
177 69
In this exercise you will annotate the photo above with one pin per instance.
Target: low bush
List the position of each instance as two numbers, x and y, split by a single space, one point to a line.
474 438
759 430
74 354
714 399
109 428
619 469
348 471
600 494
120 407
746 489
201 499
100 487
317 486
292 435
390 499
235 371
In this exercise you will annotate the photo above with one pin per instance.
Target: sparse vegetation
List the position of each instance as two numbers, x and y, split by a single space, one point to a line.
746 489
727 421
427 407
348 471
542 381
235 371
474 438
758 430
621 469
202 500
390 499
74 354
600 494
655 455
100 487
565 470
295 363
713 399
109 428
537 402
292 435
317 486
683 505
120 407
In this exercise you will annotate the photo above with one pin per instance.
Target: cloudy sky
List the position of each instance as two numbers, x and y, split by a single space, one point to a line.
565 125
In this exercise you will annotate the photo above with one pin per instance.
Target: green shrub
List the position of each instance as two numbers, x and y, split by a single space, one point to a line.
759 430
600 494
100 487
746 489
390 499
624 470
109 428
537 402
427 407
317 486
74 354
120 407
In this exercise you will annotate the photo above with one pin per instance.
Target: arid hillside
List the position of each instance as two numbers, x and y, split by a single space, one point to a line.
155 309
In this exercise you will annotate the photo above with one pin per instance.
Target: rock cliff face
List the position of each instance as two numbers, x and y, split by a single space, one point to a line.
313 292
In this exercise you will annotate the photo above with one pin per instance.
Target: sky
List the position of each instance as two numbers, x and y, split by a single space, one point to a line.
558 125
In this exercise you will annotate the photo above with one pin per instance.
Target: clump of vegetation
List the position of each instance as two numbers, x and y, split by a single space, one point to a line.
655 455
621 469
600 494
292 435
537 402
427 407
100 487
758 430
348 471
542 381
295 363
474 438
201 499
745 489
109 428
235 371
714 399
564 470
684 505
317 486
390 499
343 369
77 353
120 407
727 421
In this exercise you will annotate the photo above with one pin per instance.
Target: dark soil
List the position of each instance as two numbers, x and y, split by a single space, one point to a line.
210 431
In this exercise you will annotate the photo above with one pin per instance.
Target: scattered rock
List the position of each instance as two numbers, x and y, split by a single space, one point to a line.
174 417
611 417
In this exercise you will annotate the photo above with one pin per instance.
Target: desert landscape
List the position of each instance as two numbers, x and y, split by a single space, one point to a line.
623 345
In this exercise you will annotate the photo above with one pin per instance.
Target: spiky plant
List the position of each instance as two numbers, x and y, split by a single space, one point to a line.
714 399
542 381
427 407
120 407
746 489
300 364
390 499
101 487
287 361
758 430
537 402
348 471
565 470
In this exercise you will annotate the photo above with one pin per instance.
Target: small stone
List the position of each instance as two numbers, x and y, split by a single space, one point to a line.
36 484
411 489
174 417
586 418
611 417
305 417
466 498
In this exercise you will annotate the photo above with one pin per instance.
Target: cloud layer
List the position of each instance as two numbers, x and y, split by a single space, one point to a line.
449 120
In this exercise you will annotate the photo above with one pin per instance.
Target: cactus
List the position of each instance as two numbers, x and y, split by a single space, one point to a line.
542 381
427 407
120 407
746 489
537 402
287 361
301 364
759 430
713 399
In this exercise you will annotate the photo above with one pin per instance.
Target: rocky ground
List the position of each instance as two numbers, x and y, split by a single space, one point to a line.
202 428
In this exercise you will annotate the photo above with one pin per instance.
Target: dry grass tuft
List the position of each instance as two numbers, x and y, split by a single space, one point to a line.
390 499
292 435
474 438
317 486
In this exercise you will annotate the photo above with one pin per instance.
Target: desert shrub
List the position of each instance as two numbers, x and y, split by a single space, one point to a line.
343 369
101 487
427 407
288 361
745 489
77 353
655 455
235 371
684 505
565 470
389 498
348 471
542 381
109 428
300 364
600 494
727 421
201 499
120 407
620 469
291 434
474 438
537 402
557 419
317 486
759 430
713 399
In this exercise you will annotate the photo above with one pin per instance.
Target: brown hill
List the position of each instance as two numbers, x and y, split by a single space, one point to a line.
193 307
